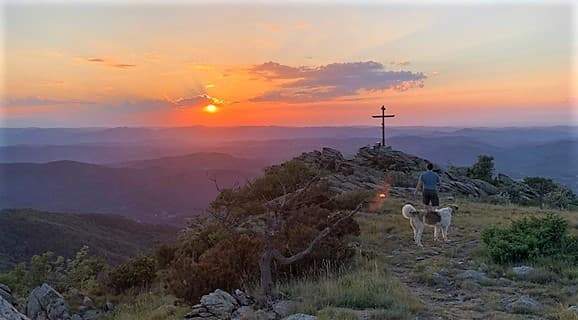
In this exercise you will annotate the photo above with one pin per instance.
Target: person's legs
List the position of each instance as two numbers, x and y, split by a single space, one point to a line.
435 201
427 200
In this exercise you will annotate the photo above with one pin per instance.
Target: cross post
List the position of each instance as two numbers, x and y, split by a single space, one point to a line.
383 116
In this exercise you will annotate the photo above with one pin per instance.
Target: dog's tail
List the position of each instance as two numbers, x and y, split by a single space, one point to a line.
408 211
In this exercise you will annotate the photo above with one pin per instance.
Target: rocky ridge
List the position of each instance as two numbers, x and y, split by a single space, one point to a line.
396 173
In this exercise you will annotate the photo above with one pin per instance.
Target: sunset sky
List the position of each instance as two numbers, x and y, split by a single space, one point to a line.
98 64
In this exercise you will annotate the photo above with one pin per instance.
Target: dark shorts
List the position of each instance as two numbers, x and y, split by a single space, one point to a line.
430 197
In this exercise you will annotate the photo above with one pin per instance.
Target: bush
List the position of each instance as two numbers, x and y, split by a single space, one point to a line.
136 273
531 239
483 169
223 251
79 272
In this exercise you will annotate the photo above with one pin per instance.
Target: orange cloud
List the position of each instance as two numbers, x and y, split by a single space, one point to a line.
109 63
198 101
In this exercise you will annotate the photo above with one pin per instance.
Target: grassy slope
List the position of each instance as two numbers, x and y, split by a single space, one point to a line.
24 233
393 279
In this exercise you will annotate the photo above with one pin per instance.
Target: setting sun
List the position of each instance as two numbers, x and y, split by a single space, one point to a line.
211 108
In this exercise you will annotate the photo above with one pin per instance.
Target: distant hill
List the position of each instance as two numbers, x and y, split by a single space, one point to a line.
196 161
26 232
161 191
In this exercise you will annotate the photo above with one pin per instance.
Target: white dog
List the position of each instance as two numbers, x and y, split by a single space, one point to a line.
418 221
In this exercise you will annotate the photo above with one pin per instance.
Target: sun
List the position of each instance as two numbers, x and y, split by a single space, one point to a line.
211 108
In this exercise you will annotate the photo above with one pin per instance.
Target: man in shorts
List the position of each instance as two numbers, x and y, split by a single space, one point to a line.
428 183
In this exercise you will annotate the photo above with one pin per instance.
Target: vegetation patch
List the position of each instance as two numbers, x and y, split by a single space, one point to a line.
366 285
534 239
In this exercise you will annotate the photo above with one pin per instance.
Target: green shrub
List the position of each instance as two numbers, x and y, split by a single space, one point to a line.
136 273
79 272
531 239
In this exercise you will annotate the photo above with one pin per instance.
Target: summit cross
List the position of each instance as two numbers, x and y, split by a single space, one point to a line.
383 116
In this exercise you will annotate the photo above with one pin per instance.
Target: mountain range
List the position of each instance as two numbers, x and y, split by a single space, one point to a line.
142 174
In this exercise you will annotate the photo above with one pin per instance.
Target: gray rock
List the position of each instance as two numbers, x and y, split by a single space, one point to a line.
200 312
265 315
243 298
45 303
300 316
8 312
6 293
92 315
76 317
522 271
244 313
525 305
220 303
476 276
284 307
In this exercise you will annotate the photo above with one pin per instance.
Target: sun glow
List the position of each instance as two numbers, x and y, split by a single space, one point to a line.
211 108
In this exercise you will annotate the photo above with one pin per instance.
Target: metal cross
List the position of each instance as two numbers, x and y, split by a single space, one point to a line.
383 116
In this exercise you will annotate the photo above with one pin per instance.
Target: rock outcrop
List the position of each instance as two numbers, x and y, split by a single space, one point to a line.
7 309
221 305
6 294
396 173
46 303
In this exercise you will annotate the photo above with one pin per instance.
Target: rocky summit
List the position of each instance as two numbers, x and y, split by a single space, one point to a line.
396 173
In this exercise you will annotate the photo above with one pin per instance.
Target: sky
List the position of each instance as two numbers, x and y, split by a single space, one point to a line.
73 64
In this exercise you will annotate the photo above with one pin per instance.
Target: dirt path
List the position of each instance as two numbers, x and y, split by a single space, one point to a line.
435 275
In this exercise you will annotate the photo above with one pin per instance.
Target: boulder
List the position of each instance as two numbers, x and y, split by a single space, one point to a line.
284 308
8 312
92 314
220 303
524 305
244 313
475 276
6 293
243 298
46 303
300 316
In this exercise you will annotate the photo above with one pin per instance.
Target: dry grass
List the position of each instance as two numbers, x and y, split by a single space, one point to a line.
366 285
148 306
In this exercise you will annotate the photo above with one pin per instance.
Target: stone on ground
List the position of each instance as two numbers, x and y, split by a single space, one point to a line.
8 312
46 303
525 305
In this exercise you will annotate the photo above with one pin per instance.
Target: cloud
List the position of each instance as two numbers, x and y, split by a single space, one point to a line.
37 101
332 81
403 63
109 63
198 101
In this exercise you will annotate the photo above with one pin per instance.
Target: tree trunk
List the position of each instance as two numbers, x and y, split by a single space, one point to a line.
266 273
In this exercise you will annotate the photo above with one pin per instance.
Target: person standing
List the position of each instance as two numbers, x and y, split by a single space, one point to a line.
428 183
